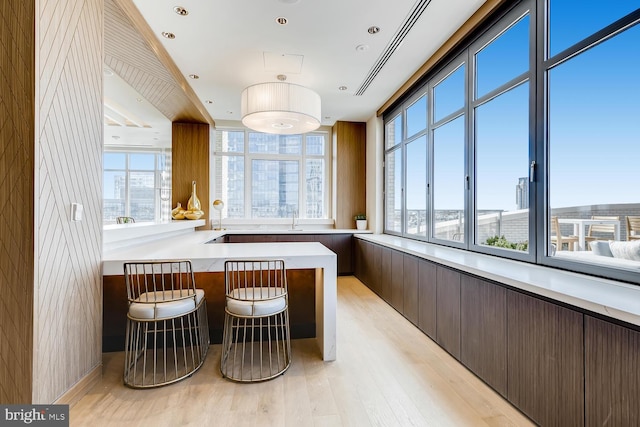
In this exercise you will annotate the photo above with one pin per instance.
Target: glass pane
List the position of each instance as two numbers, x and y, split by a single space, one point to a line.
417 116
229 185
142 161
274 188
315 197
115 161
142 196
229 141
502 170
571 21
394 132
416 203
594 147
315 145
503 59
115 191
448 95
448 181
393 188
267 143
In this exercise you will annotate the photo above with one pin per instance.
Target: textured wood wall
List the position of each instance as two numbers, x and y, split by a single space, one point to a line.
68 158
190 162
17 44
350 186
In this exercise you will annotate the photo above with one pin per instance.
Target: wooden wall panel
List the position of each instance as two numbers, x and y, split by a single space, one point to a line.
17 76
612 377
190 162
350 174
68 155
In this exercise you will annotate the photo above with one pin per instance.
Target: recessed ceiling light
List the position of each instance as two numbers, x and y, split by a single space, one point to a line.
208 101
139 99
282 20
342 88
362 47
327 117
107 72
281 77
115 137
181 11
373 30
168 35
194 76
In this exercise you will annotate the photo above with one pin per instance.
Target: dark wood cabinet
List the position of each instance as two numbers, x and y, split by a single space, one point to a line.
448 310
410 288
483 330
545 365
427 302
612 377
341 244
397 280
386 274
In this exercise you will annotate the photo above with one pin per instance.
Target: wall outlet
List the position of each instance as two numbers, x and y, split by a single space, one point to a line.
76 212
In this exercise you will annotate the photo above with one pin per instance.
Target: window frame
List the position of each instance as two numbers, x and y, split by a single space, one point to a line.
248 171
538 123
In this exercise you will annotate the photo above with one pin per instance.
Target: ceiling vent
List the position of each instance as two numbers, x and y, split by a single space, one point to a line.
395 42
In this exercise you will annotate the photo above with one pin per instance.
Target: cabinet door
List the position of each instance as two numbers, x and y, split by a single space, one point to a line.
448 310
343 246
375 267
385 274
410 288
483 330
397 280
427 303
358 259
612 374
545 366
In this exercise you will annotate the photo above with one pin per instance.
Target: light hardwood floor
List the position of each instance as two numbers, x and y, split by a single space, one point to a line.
388 373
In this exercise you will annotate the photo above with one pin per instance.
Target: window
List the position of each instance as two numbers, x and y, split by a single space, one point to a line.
533 148
137 184
266 176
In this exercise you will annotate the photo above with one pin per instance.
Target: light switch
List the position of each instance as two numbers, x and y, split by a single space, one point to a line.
76 212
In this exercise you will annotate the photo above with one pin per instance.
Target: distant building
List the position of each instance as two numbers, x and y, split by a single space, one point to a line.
522 193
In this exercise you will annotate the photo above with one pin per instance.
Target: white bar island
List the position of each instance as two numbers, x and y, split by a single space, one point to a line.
207 257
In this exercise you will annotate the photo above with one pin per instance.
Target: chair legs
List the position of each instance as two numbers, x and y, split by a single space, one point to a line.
255 348
161 352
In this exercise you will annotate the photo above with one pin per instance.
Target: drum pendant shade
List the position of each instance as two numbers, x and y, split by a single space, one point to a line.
280 108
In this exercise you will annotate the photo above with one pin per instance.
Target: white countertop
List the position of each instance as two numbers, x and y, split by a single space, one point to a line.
210 257
608 297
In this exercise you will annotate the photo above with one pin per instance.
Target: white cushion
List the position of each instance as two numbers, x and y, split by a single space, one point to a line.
600 247
158 305
625 250
253 301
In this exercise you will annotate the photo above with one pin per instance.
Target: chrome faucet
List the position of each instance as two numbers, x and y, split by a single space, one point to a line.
294 213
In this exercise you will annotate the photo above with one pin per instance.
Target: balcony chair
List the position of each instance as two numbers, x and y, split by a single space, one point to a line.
601 231
255 340
167 335
558 239
633 227
124 219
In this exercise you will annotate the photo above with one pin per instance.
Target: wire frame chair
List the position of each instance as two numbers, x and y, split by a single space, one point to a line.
167 335
256 344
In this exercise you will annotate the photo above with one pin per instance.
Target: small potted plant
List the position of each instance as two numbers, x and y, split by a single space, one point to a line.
361 221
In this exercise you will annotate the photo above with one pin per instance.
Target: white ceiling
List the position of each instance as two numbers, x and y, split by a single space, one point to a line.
226 42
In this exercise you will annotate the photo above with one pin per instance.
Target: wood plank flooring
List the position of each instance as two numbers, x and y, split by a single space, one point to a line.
388 373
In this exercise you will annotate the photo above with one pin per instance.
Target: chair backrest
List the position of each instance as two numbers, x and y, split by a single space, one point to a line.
159 281
602 228
255 280
633 226
555 229
124 219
